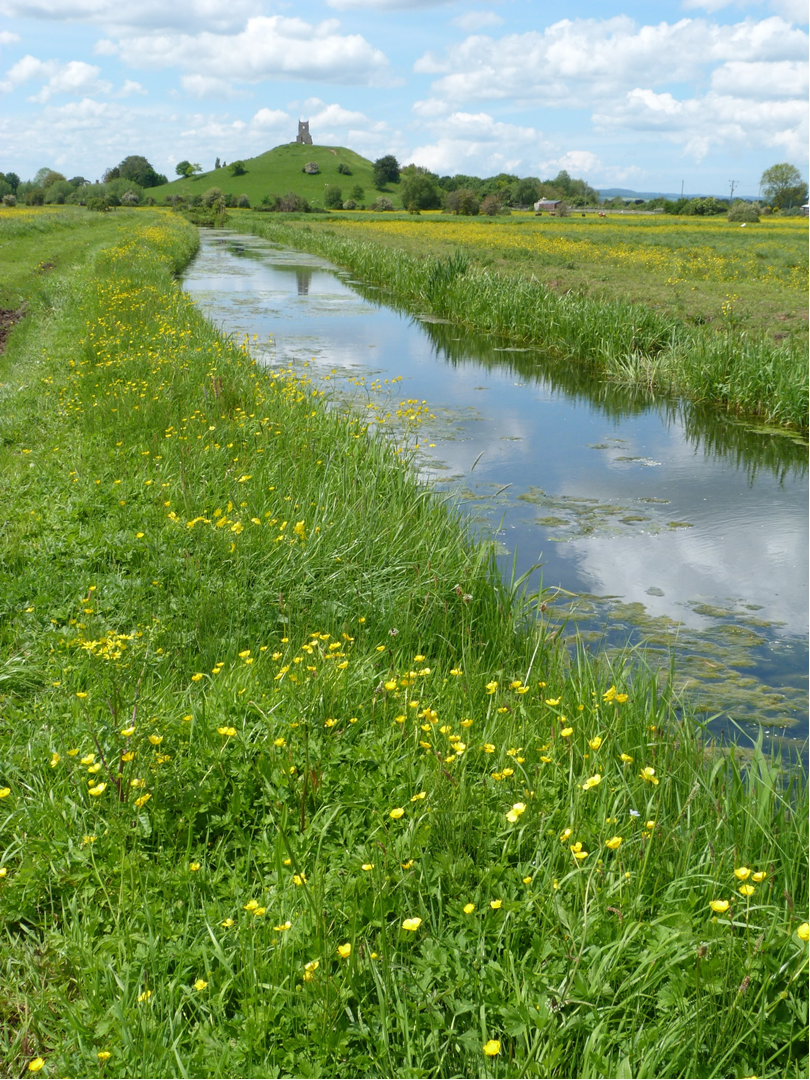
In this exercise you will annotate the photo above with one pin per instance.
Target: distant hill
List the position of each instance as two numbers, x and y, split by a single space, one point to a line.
279 171
620 192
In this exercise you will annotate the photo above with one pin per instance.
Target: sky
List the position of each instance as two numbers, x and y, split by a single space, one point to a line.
662 95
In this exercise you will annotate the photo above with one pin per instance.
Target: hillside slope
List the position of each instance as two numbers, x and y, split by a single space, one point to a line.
280 170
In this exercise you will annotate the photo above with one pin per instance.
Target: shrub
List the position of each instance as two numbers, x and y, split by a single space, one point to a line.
462 201
34 197
344 169
382 203
212 195
350 204
357 193
238 168
243 202
743 211
332 197
130 198
9 200
490 205
98 203
311 167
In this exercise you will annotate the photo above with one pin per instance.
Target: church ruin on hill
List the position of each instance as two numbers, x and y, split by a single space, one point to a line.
303 133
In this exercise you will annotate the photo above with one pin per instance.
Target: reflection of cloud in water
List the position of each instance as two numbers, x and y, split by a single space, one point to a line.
694 567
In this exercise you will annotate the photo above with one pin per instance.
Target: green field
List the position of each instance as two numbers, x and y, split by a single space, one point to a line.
280 171
291 784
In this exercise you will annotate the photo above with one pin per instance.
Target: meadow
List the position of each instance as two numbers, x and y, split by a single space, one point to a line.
689 306
291 783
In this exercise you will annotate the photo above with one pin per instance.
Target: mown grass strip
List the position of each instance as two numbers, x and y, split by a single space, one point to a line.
291 785
747 374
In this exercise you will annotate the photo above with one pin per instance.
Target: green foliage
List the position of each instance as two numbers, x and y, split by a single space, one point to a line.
332 197
211 196
138 169
187 168
357 192
418 191
344 169
462 201
381 203
744 212
244 639
238 168
386 171
782 186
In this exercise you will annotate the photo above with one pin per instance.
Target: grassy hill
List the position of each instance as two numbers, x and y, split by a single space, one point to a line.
280 170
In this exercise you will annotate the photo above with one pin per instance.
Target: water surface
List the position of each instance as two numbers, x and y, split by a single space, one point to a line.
654 522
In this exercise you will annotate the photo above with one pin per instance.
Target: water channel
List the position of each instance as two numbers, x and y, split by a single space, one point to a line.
656 523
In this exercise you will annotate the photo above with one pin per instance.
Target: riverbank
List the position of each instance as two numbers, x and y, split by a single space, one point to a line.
489 282
289 785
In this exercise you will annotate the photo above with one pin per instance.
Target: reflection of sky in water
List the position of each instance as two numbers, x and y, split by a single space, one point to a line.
747 543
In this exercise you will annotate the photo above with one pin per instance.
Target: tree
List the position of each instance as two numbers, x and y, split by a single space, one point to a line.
137 168
419 192
12 180
238 168
782 186
332 197
386 170
357 193
462 201
216 164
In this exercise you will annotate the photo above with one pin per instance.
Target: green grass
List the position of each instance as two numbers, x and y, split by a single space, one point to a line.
280 170
205 568
725 364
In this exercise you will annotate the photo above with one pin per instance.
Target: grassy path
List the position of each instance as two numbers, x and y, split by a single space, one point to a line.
287 786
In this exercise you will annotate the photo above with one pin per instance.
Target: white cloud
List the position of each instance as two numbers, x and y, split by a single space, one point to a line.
7 38
793 10
274 47
778 79
476 20
218 15
131 87
75 77
386 5
477 144
701 124
208 86
580 163
571 63
271 119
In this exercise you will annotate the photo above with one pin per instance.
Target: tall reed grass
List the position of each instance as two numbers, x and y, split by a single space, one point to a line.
745 374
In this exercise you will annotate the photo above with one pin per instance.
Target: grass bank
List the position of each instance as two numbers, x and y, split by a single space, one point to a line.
448 269
287 785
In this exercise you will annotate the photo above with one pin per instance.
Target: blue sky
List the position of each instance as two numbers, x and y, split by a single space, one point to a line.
640 95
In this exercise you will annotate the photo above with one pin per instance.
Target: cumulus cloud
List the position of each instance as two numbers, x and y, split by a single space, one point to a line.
574 62
386 5
753 79
269 47
581 163
154 15
7 38
208 86
477 144
793 10
75 77
476 20
701 124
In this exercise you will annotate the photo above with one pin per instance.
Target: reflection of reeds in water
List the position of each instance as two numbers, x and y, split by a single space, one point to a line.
623 342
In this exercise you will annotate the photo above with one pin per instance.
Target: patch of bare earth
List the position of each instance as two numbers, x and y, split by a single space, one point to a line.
7 320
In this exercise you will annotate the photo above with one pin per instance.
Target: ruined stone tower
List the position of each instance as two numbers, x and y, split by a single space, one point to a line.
303 133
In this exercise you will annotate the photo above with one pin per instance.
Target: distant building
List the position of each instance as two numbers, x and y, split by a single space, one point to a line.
303 133
546 204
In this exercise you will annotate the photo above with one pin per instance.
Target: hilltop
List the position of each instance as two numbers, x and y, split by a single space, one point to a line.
279 171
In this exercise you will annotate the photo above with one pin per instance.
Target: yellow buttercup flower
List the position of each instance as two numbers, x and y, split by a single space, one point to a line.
282 927
227 923
310 969
565 834
803 932
36 1064
88 759
552 701
613 843
595 742
746 890
194 867
648 773
128 731
592 782
155 740
143 800
626 759
492 1048
104 1055
345 950
492 687
720 907
228 732
396 813
566 732
411 924
759 876
55 759
495 904
468 909
200 984
742 872
419 795
97 790
367 866
145 995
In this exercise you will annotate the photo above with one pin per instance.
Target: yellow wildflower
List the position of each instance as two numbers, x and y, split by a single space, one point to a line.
595 742
495 904
742 872
36 1064
720 907
396 813
97 790
468 909
345 951
613 843
104 1055
648 773
55 759
411 924
566 732
592 782
492 1048
759 876
746 890
803 932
